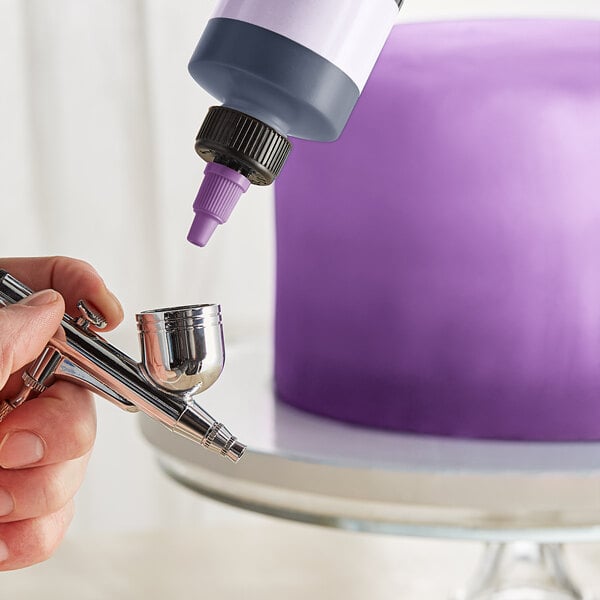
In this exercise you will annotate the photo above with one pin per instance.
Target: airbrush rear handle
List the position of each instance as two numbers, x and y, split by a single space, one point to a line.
84 357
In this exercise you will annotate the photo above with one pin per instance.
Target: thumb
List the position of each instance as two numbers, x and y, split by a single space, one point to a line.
25 329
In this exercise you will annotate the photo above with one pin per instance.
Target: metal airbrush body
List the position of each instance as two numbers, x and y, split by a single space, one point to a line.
182 355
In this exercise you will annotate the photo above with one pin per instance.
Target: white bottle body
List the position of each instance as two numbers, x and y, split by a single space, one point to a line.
348 33
297 65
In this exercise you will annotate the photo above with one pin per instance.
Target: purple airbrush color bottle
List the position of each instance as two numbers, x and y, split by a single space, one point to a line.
280 68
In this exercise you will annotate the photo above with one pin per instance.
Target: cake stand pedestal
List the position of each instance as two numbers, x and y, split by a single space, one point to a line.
523 500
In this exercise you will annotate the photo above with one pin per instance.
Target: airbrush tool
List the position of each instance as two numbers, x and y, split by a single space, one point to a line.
182 355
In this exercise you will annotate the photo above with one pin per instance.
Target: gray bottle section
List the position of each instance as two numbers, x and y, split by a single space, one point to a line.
273 79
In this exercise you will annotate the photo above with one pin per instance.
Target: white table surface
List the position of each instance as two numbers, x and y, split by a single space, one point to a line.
260 558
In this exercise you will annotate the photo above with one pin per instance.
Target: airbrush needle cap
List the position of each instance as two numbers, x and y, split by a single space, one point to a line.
221 188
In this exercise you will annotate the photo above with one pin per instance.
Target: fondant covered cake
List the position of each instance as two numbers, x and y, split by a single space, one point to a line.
438 267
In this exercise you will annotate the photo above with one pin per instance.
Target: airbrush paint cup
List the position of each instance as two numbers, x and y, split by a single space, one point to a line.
182 348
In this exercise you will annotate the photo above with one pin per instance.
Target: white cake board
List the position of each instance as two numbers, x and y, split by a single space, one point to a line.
317 470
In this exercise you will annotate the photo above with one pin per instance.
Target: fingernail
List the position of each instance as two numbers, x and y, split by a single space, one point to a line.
20 449
7 504
40 298
115 299
3 551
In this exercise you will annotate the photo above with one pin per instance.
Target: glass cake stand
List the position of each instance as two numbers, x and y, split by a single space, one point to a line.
523 500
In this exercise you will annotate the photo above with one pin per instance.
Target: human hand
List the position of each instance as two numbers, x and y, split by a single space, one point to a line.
45 444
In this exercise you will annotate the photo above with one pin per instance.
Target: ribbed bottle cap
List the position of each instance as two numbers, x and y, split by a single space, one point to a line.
220 191
243 143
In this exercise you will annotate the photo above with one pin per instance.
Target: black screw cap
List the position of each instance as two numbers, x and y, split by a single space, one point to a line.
242 143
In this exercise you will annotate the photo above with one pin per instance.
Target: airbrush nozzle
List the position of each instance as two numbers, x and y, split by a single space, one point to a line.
194 425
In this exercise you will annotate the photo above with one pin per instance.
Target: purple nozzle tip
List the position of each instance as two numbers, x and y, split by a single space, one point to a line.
221 188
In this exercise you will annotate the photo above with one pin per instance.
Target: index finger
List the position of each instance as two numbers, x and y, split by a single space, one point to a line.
74 279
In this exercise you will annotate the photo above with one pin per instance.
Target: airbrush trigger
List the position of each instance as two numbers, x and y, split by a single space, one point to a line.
89 317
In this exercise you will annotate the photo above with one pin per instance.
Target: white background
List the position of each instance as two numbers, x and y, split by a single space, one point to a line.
97 118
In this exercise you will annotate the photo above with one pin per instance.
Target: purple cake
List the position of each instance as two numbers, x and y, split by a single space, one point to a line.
438 267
